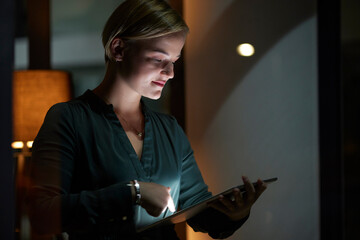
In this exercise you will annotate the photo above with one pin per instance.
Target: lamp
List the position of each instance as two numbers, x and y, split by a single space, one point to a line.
34 92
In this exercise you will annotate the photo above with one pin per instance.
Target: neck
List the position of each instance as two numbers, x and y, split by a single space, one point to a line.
115 90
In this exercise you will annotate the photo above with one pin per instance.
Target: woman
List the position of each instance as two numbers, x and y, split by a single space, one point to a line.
104 164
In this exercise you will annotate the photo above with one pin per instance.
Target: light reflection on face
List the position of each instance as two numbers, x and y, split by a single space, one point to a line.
148 64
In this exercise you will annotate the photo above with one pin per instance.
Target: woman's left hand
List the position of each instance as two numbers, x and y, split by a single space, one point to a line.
238 205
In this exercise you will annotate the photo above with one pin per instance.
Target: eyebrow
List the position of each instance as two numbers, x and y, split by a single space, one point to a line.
163 52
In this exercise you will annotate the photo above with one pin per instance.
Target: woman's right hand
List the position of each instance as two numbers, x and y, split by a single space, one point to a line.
155 198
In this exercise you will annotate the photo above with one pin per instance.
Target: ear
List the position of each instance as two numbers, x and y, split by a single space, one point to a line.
117 49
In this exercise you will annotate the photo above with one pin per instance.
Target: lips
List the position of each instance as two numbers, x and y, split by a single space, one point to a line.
159 83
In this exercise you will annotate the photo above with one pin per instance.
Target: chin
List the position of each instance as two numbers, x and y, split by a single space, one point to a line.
153 96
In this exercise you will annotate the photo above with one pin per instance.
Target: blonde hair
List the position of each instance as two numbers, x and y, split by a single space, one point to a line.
141 19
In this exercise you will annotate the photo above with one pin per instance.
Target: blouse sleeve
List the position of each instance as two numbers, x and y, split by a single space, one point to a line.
53 208
194 190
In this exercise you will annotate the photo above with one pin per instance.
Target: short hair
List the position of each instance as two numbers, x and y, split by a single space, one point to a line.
139 20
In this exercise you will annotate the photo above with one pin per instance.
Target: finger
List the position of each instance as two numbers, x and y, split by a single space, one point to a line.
227 203
238 198
170 203
260 188
248 185
250 189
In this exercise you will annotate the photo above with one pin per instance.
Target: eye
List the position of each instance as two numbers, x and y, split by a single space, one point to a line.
157 60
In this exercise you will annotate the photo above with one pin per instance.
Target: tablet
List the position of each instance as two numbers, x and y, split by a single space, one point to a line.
189 212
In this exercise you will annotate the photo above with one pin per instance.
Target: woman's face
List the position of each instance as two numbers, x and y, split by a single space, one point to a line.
148 64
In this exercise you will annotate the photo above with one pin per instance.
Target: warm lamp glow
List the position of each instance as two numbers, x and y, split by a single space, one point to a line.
34 92
17 145
245 50
29 144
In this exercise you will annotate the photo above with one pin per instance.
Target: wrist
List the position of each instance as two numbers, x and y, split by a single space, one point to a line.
135 191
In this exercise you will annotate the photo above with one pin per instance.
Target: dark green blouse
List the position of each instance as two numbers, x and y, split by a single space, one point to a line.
82 162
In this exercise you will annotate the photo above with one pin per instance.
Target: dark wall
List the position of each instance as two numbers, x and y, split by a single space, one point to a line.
330 121
7 199
339 102
350 52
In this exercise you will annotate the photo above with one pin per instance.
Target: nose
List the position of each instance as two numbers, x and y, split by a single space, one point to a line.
168 70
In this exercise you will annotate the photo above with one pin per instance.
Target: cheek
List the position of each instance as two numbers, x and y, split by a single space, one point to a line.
142 66
147 70
142 77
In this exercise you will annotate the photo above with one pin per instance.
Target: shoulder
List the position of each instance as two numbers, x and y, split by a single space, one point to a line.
58 117
66 112
58 109
62 109
74 106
